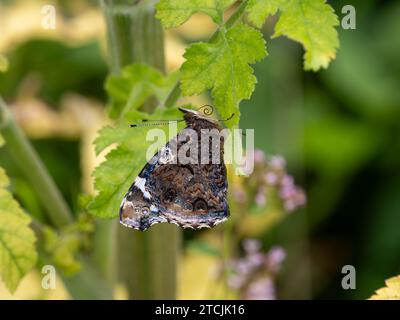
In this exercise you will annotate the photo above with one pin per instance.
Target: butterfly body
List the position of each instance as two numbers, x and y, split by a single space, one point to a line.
168 189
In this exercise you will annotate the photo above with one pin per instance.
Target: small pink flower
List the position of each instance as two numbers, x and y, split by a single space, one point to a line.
256 259
259 156
271 178
243 267
261 289
277 163
235 281
287 180
275 258
251 245
261 199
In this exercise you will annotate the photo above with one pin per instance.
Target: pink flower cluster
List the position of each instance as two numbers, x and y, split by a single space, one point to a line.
273 172
253 274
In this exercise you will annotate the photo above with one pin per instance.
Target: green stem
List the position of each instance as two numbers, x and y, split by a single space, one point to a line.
175 93
88 283
105 246
33 169
173 96
147 261
129 30
237 15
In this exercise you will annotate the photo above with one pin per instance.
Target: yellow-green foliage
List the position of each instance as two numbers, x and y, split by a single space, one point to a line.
310 22
17 249
390 292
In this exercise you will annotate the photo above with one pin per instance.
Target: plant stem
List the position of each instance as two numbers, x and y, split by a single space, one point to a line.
105 246
33 169
175 93
236 16
129 30
147 261
88 283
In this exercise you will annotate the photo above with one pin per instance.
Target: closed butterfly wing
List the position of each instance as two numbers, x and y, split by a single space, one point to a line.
177 185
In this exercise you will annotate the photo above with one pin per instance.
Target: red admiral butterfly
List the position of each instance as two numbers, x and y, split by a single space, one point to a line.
171 189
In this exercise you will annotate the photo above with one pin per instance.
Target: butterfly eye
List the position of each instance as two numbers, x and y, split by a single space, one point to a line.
200 204
145 210
137 210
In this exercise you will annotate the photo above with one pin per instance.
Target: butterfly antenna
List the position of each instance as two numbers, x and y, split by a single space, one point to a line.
229 118
151 120
148 123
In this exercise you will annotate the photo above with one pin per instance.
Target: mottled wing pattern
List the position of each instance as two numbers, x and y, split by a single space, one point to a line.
189 195
138 209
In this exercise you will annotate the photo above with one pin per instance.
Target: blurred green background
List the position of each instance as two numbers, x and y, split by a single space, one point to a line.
338 129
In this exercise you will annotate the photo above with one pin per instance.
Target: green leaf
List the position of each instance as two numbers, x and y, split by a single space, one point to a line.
310 22
134 86
173 13
2 142
114 176
259 10
17 249
223 67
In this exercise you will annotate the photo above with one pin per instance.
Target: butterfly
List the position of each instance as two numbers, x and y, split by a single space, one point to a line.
190 195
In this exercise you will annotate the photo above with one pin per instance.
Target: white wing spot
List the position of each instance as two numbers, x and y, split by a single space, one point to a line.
140 184
166 156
